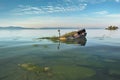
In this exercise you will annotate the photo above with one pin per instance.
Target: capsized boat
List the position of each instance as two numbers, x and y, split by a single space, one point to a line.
75 35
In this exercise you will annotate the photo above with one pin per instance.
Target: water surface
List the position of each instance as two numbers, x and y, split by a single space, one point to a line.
22 55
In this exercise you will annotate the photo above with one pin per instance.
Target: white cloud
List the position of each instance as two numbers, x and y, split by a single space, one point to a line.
101 12
88 1
27 10
94 1
117 0
47 9
60 6
113 15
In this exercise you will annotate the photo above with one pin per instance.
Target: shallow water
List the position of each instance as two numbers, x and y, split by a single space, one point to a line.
98 59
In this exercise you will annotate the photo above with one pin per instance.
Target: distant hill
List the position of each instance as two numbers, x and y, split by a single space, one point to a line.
18 28
14 28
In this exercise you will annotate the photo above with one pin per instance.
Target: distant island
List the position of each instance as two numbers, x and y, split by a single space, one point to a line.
111 28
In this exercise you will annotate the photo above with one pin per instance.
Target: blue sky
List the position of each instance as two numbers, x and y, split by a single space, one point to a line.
59 13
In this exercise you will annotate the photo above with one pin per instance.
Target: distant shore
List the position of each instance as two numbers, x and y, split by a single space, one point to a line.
21 28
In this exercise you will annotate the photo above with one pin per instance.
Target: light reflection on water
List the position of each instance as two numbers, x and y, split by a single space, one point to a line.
99 59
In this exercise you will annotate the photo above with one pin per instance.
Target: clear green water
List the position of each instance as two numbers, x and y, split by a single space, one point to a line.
99 59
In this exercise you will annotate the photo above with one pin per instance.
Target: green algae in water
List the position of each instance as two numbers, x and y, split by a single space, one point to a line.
35 45
110 60
45 46
72 72
33 68
58 72
35 72
117 72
